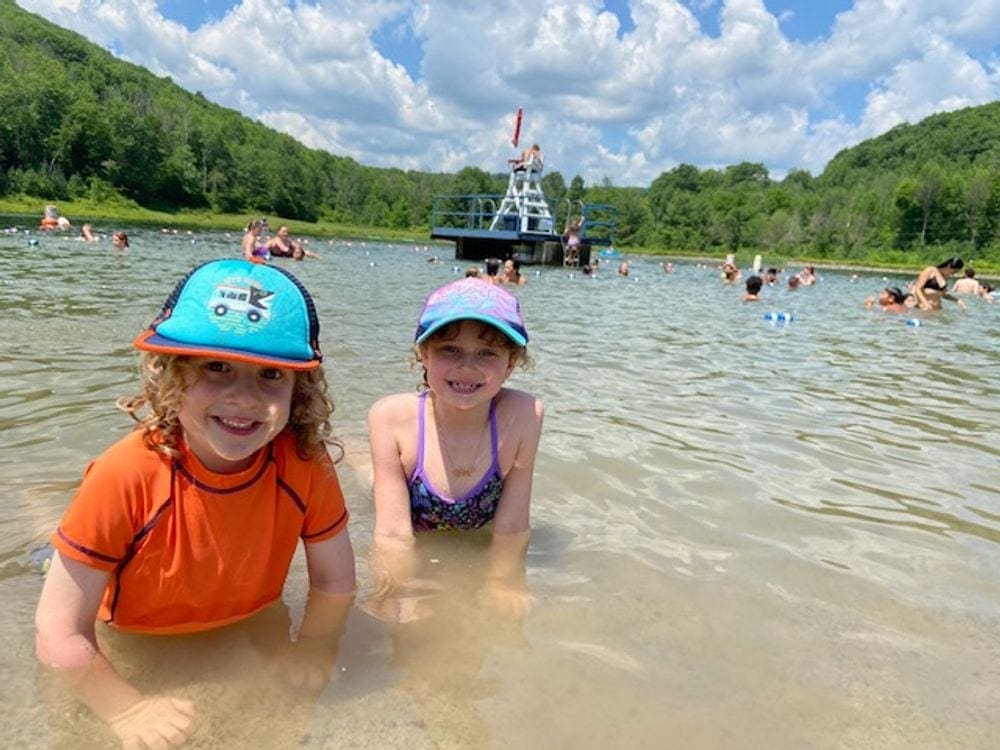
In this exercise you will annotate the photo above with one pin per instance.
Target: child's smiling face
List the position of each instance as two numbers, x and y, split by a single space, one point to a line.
468 368
232 409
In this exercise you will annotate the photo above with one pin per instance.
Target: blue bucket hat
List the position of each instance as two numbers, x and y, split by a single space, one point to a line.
235 309
472 299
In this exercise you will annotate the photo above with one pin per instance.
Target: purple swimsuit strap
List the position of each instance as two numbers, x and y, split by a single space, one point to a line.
418 469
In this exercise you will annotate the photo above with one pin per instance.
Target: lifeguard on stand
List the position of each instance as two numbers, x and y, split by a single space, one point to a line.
531 158
520 224
524 208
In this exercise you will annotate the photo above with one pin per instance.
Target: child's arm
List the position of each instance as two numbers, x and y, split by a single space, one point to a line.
393 556
248 246
65 641
505 587
525 425
392 546
332 583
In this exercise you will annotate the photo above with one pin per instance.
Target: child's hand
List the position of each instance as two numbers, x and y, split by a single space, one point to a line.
397 609
307 663
507 598
401 600
154 723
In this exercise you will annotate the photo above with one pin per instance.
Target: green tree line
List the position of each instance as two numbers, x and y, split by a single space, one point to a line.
77 123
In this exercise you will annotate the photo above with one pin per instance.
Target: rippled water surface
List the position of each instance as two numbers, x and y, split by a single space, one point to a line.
745 535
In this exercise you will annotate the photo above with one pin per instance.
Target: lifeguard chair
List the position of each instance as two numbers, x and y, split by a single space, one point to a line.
523 225
524 208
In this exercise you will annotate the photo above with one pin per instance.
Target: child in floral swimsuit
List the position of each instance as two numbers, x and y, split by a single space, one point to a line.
460 454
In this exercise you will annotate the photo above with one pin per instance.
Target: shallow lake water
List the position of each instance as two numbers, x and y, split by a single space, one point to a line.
745 534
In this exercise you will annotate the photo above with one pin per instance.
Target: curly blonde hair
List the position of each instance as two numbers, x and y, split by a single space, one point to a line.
165 378
490 334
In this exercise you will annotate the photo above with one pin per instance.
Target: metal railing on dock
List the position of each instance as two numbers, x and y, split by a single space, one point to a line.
476 212
464 211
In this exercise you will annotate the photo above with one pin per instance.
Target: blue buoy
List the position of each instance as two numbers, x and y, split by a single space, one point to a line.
914 322
779 317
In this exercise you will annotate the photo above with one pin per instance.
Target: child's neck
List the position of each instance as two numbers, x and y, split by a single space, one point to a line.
458 419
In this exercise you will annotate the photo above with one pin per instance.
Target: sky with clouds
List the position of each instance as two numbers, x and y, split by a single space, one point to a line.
617 89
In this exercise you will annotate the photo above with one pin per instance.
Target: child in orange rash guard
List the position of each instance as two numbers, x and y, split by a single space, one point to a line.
191 521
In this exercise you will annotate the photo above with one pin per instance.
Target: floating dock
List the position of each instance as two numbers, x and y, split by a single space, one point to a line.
520 224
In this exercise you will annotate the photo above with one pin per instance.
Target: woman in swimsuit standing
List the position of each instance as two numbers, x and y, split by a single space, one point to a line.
932 285
460 453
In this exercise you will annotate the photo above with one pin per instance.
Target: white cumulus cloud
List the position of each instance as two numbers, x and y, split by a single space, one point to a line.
606 96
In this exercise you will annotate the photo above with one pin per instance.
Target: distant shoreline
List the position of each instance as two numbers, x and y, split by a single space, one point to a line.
24 211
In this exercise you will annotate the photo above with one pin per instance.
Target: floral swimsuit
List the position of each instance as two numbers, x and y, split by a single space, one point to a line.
430 509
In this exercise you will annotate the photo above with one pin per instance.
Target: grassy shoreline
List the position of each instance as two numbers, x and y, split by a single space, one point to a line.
127 212
30 210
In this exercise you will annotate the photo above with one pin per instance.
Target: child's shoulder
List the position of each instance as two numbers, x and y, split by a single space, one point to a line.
519 404
394 408
515 396
126 461
130 450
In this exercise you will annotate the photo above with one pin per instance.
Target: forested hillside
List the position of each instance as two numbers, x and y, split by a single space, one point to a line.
75 122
